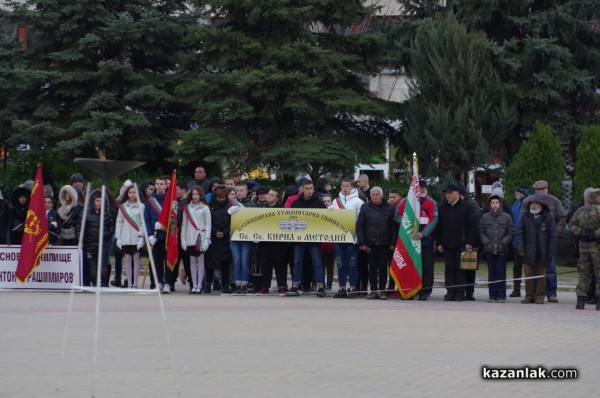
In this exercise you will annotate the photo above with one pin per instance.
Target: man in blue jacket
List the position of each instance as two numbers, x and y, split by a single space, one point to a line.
156 236
521 193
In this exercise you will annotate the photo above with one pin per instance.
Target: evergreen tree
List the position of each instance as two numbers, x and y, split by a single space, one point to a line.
456 118
101 77
11 58
539 158
278 84
588 161
549 51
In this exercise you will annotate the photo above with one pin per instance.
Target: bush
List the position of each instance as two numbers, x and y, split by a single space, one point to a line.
539 158
587 164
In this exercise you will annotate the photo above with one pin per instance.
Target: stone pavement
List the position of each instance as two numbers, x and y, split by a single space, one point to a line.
289 346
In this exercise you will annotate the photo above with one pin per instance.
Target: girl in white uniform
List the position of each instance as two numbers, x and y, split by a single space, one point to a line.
195 234
129 234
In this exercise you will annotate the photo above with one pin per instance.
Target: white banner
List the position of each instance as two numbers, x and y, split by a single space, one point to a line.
59 269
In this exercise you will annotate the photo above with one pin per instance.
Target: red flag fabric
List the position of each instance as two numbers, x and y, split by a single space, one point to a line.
35 235
168 220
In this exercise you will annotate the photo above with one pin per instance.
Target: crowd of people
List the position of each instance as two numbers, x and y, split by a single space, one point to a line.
527 232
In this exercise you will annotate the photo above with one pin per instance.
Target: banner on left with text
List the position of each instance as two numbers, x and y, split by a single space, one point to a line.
59 269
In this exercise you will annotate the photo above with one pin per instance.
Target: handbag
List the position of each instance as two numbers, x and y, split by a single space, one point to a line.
468 261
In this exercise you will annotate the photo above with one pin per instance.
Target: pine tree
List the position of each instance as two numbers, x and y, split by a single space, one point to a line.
588 161
11 58
539 158
101 77
277 83
549 52
456 118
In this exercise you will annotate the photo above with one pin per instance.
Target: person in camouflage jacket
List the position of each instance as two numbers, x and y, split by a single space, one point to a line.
585 225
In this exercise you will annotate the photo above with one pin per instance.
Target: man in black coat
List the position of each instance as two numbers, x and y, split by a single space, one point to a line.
91 240
456 230
537 236
218 256
475 216
376 233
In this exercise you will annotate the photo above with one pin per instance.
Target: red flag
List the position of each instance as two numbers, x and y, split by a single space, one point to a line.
168 220
35 236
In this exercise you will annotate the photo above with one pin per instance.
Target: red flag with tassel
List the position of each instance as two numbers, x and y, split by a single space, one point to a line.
168 221
35 235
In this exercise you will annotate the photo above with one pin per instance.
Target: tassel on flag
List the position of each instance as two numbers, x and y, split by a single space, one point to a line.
168 219
405 267
35 236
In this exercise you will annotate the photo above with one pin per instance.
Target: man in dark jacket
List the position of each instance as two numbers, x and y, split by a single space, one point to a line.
308 200
199 179
218 256
376 233
496 231
157 236
91 240
536 243
456 230
475 216
521 193
560 220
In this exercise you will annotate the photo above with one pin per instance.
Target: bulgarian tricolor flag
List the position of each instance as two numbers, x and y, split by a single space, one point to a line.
168 221
406 261
35 236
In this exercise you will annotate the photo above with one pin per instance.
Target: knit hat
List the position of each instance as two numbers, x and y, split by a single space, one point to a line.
76 178
523 188
497 184
497 192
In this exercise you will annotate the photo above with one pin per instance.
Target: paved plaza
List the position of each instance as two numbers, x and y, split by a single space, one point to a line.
268 346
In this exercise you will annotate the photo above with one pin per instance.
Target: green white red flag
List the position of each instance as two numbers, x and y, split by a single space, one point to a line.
35 235
405 267
168 221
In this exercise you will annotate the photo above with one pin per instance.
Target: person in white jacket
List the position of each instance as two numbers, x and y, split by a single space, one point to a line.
347 253
129 234
195 234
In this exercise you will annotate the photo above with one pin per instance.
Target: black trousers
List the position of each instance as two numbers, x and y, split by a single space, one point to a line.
363 271
273 256
159 254
453 274
379 261
470 281
328 261
427 263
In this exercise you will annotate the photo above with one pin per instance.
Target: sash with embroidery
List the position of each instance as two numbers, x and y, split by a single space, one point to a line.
129 219
339 203
192 221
